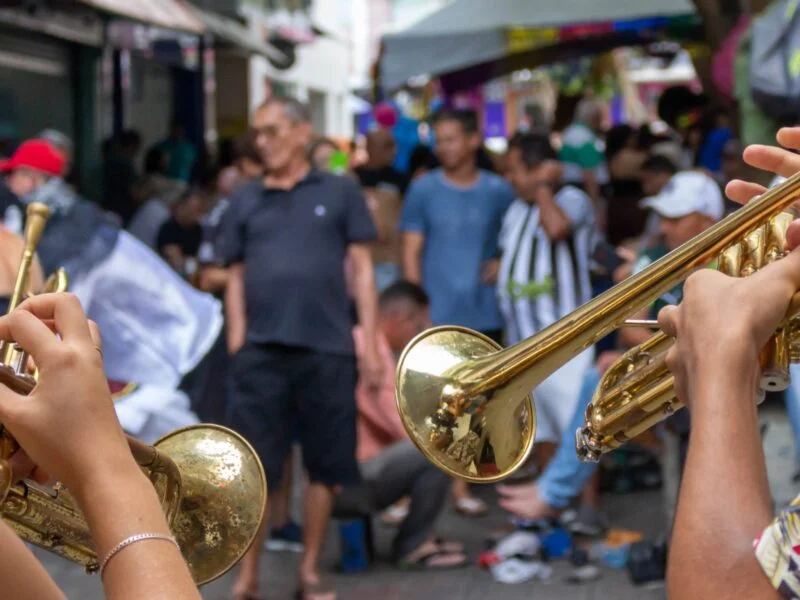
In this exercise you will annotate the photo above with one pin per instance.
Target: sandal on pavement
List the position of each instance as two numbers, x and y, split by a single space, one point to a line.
471 507
428 562
448 546
394 515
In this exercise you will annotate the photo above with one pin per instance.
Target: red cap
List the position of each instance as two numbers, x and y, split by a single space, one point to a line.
37 155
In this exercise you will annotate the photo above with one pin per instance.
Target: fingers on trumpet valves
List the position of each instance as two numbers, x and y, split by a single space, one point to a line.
755 244
757 249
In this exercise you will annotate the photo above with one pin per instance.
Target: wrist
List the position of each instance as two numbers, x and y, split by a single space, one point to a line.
121 504
543 192
103 481
723 374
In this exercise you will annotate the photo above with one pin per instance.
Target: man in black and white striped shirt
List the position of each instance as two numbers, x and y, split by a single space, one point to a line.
547 239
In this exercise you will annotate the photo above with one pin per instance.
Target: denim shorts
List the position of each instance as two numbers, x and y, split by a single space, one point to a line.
282 394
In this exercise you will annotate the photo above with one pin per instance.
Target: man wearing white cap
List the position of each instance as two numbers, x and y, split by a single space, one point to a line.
688 205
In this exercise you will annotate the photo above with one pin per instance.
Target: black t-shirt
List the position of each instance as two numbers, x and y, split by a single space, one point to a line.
385 177
293 244
188 238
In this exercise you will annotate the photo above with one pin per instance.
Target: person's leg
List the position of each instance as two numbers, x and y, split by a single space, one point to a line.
285 533
279 511
792 400
465 503
318 509
259 404
546 440
402 470
590 496
324 388
566 476
555 400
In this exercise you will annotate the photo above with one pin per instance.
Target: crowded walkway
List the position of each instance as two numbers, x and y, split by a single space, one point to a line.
639 512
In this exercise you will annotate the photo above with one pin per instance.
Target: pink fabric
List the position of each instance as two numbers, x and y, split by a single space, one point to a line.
379 423
722 64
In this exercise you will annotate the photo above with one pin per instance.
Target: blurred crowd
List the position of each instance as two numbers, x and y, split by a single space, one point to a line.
323 266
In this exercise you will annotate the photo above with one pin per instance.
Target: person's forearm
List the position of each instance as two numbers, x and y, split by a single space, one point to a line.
724 500
23 576
366 303
592 186
213 279
554 222
411 267
235 314
123 504
411 248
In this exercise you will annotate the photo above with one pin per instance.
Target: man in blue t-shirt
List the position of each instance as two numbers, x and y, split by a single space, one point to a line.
450 225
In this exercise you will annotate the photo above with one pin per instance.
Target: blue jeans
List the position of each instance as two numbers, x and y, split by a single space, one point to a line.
565 476
792 398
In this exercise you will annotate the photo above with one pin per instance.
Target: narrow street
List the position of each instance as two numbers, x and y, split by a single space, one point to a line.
642 512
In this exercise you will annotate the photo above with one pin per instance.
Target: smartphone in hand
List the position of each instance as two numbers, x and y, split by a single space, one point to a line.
606 259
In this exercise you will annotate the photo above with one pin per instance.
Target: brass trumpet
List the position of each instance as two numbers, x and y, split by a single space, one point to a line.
467 404
209 479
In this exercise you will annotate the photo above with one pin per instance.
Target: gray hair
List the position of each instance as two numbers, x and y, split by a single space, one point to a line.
296 111
57 139
588 108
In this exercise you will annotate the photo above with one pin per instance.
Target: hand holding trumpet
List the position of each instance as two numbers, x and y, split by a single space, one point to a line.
67 425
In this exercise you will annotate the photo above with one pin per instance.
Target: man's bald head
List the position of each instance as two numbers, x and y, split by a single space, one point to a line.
381 148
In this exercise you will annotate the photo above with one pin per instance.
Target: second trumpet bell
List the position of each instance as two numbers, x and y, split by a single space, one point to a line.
479 438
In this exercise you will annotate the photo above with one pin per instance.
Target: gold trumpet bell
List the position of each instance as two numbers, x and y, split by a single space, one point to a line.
223 497
480 438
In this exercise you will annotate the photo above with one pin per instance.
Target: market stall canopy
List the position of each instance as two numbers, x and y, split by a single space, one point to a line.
169 14
238 35
474 32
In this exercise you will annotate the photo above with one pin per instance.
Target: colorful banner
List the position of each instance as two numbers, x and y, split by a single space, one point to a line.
494 119
521 39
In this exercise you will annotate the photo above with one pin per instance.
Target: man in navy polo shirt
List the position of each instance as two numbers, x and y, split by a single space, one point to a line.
286 237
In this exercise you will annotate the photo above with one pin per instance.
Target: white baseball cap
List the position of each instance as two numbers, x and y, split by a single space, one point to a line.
686 193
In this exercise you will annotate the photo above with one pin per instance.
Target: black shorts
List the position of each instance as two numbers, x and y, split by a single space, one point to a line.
280 393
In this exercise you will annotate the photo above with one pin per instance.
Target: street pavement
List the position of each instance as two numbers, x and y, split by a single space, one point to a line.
640 511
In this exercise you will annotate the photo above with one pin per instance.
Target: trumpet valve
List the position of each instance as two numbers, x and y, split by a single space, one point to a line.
774 359
587 445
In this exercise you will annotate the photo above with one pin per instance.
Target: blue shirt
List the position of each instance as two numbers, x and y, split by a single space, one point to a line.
461 228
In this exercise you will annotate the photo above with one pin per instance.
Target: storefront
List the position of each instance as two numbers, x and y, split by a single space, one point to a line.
156 77
48 77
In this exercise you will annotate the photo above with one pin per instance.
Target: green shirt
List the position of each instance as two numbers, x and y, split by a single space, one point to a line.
582 150
673 296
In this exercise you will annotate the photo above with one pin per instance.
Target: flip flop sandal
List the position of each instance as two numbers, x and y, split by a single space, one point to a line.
447 546
472 507
394 515
425 562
